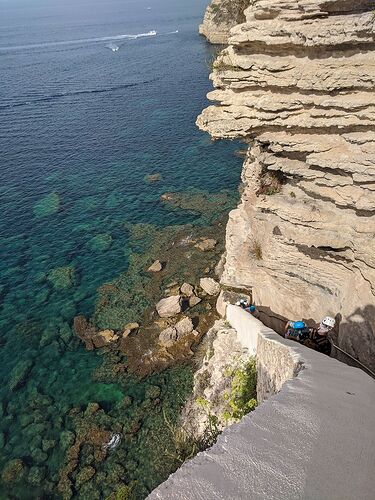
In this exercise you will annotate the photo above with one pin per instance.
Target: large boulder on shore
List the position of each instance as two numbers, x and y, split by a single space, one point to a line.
206 244
184 327
168 337
187 289
156 267
174 333
210 286
169 307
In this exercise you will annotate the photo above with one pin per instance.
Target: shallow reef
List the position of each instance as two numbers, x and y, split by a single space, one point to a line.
55 423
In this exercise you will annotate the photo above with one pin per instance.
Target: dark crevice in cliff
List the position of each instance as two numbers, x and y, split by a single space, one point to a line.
342 7
329 130
320 253
334 171
345 50
319 285
358 212
289 90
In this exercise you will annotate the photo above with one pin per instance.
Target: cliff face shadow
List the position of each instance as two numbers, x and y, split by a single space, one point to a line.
356 336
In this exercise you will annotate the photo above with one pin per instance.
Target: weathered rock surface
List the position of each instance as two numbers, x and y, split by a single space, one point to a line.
92 338
155 267
210 286
194 300
220 17
129 328
297 83
206 244
187 289
168 337
170 306
104 338
212 381
172 334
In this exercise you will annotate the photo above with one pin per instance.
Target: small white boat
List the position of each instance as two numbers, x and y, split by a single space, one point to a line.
113 47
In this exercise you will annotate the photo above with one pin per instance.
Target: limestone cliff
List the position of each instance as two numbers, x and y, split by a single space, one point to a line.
220 17
296 84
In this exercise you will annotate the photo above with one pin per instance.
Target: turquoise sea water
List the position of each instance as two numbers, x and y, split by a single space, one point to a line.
81 126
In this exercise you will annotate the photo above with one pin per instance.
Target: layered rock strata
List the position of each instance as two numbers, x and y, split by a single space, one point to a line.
220 17
296 84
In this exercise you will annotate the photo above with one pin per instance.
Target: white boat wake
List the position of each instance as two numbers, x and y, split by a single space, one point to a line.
81 41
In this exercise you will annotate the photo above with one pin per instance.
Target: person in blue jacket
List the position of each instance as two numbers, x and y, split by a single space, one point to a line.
297 330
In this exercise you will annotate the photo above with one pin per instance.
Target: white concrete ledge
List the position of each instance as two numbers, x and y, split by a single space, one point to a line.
315 439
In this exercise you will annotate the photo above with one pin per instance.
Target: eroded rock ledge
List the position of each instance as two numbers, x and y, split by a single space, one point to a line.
296 83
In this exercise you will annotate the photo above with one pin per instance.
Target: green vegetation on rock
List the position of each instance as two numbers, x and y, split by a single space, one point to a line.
242 396
62 277
19 374
13 471
100 242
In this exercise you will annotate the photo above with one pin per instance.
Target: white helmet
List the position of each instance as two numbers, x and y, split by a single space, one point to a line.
328 321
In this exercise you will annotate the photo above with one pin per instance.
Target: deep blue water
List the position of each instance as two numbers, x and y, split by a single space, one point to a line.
81 126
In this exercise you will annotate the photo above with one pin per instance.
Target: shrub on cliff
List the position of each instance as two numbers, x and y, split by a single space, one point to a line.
242 396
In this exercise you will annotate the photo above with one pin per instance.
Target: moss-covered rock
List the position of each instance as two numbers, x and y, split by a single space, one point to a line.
48 444
84 475
13 471
62 277
100 242
67 438
152 392
20 373
151 178
36 475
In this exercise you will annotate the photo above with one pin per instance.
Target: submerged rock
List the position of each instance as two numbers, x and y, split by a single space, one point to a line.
100 242
36 475
13 471
19 374
47 206
210 286
170 306
84 475
67 438
153 392
151 178
62 277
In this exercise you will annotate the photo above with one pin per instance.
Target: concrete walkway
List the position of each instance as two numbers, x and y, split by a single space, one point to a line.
315 439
